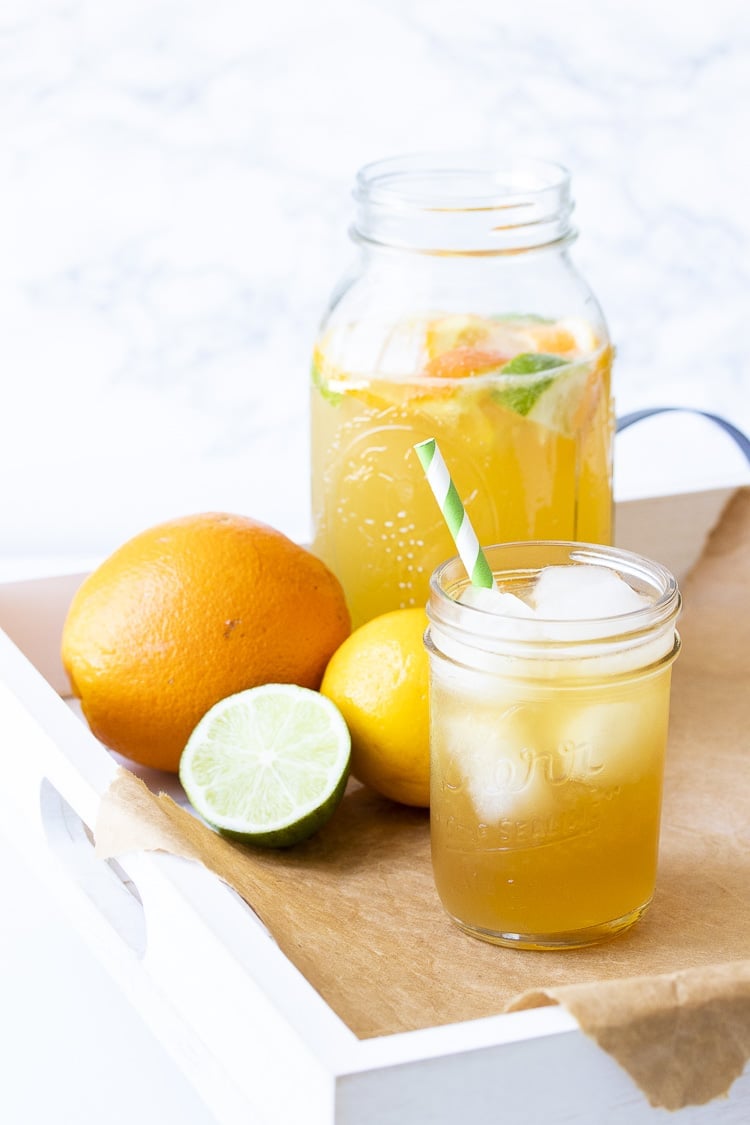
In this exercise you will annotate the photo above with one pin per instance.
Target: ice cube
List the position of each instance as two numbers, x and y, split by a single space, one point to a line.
619 740
582 592
496 601
495 752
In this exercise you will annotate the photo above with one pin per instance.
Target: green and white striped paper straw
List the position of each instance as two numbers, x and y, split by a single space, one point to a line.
454 513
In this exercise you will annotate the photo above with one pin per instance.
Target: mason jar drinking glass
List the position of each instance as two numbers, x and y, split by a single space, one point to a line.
463 319
547 745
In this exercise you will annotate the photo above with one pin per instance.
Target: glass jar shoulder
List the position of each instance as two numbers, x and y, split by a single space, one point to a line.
401 314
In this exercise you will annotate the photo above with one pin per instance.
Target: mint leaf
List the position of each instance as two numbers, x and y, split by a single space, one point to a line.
520 397
528 363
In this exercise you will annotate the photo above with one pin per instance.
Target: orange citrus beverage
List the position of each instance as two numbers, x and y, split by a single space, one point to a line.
547 754
521 408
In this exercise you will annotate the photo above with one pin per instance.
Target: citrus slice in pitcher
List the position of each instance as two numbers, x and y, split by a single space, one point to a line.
562 404
507 338
465 362
571 336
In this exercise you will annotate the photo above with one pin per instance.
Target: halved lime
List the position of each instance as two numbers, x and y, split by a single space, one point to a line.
269 765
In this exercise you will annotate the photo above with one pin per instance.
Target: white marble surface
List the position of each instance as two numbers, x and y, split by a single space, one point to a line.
175 198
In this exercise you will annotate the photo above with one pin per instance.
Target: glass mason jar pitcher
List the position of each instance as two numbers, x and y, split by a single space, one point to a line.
465 320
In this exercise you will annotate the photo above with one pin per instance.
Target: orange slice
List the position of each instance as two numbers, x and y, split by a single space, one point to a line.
449 332
466 330
463 362
568 337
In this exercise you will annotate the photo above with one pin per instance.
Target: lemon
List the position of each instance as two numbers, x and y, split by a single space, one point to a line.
378 680
268 765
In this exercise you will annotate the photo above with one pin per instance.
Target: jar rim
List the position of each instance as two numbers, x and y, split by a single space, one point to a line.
458 181
479 627
463 203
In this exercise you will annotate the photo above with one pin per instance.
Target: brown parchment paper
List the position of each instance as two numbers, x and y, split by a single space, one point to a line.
355 909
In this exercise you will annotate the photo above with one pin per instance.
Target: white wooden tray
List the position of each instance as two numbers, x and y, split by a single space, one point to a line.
257 1042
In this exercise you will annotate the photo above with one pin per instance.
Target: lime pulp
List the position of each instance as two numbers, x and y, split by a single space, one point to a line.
268 765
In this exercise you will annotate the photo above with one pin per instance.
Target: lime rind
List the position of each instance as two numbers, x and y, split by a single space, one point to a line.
268 765
322 385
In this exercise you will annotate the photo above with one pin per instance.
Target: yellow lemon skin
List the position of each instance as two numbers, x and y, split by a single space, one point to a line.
378 678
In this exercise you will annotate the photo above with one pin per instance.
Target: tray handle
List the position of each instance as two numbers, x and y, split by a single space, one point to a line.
109 890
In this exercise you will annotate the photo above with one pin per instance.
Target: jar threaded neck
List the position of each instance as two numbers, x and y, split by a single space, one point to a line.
442 203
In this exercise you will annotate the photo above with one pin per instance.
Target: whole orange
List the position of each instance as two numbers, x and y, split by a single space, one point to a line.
187 613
